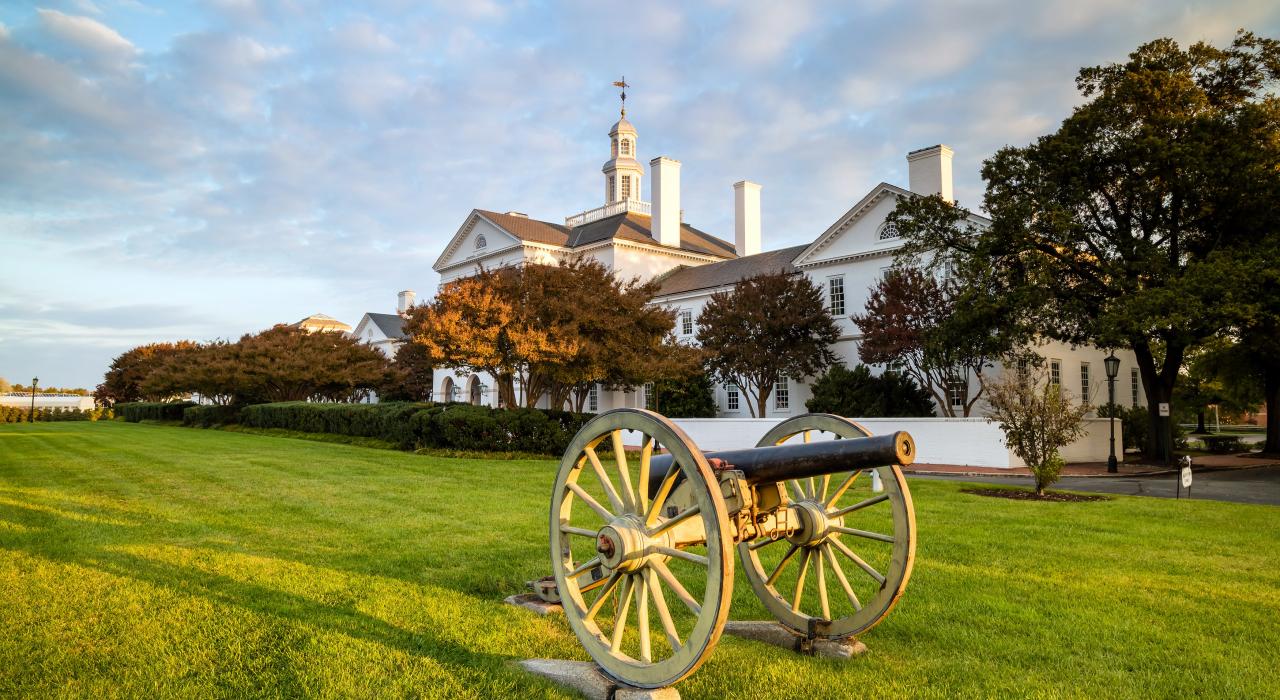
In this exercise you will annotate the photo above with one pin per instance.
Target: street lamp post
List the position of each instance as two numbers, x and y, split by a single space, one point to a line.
1112 364
31 416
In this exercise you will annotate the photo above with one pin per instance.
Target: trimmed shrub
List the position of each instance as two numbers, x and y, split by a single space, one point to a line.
15 414
858 394
153 410
391 421
1223 444
209 416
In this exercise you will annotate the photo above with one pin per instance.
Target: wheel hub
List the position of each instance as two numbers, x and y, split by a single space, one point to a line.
624 546
815 525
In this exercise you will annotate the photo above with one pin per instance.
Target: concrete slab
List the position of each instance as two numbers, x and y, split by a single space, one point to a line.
586 678
529 601
774 633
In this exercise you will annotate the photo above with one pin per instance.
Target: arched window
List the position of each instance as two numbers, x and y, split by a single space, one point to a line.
888 230
481 242
626 147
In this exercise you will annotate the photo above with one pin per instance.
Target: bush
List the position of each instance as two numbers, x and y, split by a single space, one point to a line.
391 421
152 410
694 397
1223 444
17 414
209 416
857 394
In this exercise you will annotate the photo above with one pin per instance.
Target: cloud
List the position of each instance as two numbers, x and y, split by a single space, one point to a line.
86 33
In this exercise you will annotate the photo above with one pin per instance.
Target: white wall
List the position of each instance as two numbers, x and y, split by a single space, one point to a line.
47 401
959 441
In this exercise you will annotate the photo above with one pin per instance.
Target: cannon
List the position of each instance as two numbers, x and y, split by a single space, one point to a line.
642 539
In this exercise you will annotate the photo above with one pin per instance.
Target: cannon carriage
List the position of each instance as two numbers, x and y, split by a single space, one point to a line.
642 540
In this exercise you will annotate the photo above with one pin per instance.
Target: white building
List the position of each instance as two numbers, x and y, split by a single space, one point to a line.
385 331
636 238
67 402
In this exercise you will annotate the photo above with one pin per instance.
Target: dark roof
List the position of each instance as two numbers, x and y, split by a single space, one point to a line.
527 229
391 325
629 226
720 274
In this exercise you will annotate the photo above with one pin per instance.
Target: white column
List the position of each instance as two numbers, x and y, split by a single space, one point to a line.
666 200
746 217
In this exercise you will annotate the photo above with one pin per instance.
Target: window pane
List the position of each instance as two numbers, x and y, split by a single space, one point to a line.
835 295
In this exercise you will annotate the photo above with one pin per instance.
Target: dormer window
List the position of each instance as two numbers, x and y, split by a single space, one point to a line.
888 231
481 242
626 147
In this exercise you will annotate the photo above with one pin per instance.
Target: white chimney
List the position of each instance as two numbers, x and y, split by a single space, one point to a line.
746 217
665 173
406 299
930 171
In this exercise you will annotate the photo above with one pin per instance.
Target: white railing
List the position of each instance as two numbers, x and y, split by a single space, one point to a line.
611 209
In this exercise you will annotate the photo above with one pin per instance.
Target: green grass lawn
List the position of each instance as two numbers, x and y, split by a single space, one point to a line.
149 560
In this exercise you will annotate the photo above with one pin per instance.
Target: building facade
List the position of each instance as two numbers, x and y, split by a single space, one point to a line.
637 238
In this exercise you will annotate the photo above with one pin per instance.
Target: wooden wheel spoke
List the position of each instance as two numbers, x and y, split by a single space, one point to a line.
591 502
858 560
642 617
620 615
605 481
863 533
783 562
835 497
586 566
681 554
571 530
642 483
593 585
826 484
797 489
804 569
675 520
844 582
610 584
676 587
620 455
822 585
859 505
664 613
664 490
763 543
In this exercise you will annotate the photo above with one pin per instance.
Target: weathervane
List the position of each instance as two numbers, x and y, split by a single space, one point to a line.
623 84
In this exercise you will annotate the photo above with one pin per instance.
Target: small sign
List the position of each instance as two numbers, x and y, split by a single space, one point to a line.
1186 477
1164 410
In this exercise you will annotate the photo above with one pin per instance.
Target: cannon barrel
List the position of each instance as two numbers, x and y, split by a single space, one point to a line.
800 460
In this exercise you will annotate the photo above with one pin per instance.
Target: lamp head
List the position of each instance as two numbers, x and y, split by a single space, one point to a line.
1112 363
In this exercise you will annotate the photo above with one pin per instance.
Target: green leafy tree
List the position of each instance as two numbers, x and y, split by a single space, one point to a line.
1134 223
1038 419
693 396
768 327
856 393
411 375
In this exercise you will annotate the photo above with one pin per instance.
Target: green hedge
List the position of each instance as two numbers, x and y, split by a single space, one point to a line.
209 416
423 425
152 410
15 414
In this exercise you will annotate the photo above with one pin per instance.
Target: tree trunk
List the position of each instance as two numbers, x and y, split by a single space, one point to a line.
1200 422
1158 387
1271 384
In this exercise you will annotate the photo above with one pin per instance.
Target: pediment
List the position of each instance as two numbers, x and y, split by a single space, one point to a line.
477 238
857 231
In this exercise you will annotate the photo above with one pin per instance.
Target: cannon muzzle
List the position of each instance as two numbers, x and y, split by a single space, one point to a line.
800 460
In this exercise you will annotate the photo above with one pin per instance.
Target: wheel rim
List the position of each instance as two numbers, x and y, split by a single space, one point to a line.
647 605
844 531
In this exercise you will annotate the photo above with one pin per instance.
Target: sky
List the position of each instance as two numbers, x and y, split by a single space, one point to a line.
174 170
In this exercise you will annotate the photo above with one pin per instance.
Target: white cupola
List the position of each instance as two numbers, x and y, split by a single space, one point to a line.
623 174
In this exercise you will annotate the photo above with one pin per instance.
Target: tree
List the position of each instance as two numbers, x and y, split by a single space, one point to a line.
211 370
768 327
1038 418
5 387
1217 372
123 380
915 324
412 375
285 363
1134 224
856 393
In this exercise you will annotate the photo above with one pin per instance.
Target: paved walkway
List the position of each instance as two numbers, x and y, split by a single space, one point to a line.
1213 462
1249 485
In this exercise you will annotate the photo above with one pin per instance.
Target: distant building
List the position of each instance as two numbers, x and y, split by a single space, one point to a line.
385 331
47 401
316 323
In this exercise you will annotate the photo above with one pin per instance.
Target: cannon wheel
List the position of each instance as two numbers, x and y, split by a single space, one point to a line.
600 601
820 553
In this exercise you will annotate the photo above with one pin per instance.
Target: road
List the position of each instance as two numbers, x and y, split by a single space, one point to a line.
1261 485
